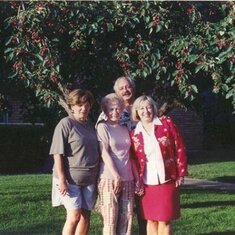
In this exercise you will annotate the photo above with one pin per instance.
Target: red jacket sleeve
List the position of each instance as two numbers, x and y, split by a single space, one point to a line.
180 151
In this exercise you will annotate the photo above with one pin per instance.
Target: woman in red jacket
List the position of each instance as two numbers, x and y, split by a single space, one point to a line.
159 151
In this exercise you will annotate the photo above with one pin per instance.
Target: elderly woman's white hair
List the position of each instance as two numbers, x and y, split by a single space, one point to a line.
130 80
137 104
112 97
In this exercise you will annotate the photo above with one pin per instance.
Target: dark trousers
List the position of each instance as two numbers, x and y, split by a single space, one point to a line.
142 223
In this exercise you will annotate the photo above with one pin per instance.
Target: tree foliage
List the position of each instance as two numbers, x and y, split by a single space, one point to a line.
171 49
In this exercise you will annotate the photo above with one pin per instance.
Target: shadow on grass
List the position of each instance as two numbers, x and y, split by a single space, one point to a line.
226 179
53 228
191 190
218 233
210 202
207 204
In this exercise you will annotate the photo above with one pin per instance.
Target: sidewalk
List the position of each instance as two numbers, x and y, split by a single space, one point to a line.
205 184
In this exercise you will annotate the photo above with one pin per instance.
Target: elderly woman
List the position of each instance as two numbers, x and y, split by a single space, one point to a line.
161 161
124 88
75 150
116 181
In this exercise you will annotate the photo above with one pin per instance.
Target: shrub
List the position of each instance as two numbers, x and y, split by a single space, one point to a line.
23 149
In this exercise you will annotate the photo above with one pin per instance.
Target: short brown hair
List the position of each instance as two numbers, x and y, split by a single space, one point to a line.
79 96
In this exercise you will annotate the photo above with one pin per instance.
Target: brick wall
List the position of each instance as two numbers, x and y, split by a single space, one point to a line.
191 127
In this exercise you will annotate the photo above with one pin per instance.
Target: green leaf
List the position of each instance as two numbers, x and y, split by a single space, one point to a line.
9 49
144 73
164 69
199 67
8 41
225 87
110 27
39 57
55 40
224 54
12 75
158 28
58 68
194 88
147 19
192 58
158 76
175 73
172 82
10 56
229 94
229 79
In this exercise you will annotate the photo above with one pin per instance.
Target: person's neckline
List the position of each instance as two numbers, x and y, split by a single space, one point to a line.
112 124
128 107
80 121
148 128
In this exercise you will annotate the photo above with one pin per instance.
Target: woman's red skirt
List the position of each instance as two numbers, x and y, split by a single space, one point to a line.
160 202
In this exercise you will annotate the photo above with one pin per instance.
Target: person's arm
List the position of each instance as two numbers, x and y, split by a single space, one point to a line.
110 164
179 181
139 188
59 167
180 153
134 170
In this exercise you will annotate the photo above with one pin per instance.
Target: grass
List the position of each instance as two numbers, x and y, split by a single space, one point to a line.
220 171
206 212
25 204
25 208
216 165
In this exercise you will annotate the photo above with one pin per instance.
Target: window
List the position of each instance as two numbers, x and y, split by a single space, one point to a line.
3 117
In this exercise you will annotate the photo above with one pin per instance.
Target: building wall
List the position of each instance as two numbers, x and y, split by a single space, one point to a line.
15 111
191 127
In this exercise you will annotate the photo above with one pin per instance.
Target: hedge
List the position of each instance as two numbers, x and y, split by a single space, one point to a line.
23 149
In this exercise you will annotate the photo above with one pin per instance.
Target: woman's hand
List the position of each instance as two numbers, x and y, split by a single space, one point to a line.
179 181
59 166
117 185
63 187
139 188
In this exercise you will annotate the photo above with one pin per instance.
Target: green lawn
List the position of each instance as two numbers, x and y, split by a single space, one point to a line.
220 171
25 205
218 164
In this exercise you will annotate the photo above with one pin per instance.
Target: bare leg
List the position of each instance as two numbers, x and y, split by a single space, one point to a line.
164 228
152 227
83 225
72 219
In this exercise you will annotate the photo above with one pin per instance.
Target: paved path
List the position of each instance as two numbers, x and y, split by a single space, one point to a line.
205 184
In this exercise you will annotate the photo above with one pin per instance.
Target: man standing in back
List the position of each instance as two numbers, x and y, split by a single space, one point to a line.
124 87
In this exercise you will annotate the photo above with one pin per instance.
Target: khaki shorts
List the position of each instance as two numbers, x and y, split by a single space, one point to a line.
78 196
